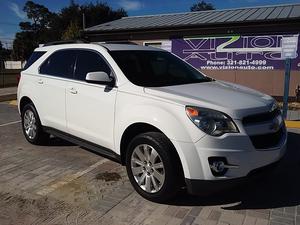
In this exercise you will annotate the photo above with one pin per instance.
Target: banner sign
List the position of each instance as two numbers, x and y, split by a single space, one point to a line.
236 52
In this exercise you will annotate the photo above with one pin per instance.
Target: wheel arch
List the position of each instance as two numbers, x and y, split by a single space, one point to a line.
139 128
130 132
24 101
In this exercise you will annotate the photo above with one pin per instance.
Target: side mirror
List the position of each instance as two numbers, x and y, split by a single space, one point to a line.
99 78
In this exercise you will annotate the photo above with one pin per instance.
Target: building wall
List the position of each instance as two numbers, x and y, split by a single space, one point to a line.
269 82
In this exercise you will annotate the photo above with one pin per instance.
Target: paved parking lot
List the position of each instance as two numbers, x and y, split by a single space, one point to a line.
64 184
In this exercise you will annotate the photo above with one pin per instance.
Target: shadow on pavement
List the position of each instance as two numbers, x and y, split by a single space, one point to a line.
55 141
279 188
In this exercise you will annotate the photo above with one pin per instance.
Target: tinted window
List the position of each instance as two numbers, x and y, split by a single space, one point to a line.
34 56
60 64
156 68
88 61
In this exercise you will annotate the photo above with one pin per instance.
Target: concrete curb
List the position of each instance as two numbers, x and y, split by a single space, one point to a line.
292 124
8 97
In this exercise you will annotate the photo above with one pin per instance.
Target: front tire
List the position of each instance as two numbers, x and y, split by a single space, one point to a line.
153 167
32 127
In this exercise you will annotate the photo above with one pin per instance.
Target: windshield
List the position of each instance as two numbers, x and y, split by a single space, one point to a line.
156 68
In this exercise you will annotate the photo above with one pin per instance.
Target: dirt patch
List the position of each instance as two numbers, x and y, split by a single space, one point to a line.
89 190
16 209
106 176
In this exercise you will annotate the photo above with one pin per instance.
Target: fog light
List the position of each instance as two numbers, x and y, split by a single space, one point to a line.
218 165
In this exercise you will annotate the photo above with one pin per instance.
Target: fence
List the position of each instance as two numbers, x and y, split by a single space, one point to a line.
8 77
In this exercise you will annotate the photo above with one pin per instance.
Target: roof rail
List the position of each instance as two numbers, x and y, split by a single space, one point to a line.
66 42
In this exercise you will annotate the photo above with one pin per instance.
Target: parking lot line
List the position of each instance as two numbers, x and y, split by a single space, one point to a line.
10 123
70 178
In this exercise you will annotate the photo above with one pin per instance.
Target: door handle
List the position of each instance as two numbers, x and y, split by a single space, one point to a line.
40 81
73 91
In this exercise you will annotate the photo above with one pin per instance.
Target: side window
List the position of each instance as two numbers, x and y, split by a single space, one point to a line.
60 64
88 61
34 57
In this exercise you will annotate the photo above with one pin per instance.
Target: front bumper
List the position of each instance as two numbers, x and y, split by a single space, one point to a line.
207 187
236 148
239 151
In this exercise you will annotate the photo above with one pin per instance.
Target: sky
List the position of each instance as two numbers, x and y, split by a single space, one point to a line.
11 12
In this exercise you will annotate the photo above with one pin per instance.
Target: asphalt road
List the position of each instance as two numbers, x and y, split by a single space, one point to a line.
64 184
8 113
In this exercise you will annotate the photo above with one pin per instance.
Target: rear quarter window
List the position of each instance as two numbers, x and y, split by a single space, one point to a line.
34 57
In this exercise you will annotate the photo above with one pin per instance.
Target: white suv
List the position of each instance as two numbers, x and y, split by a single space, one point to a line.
172 126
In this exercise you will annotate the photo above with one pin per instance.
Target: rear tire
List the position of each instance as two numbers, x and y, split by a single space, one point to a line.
32 127
153 167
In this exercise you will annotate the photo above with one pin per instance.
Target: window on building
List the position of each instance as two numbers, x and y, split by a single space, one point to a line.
153 44
164 44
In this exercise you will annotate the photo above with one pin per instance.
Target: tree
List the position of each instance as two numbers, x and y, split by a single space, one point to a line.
39 14
23 45
202 6
37 30
4 53
72 32
95 13
45 26
67 16
100 13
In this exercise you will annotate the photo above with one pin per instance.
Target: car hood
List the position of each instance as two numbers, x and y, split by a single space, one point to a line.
235 100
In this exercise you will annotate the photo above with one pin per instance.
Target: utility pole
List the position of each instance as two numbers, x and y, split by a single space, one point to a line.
287 75
2 71
83 21
288 52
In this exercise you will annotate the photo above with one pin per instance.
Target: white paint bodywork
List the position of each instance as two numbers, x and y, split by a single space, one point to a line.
91 112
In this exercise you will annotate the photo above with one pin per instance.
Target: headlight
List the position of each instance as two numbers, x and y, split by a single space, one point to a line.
274 107
210 121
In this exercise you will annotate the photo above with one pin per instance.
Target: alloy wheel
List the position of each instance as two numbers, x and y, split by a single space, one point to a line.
29 124
147 168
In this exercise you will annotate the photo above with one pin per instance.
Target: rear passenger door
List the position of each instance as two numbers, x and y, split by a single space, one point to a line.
90 107
55 73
